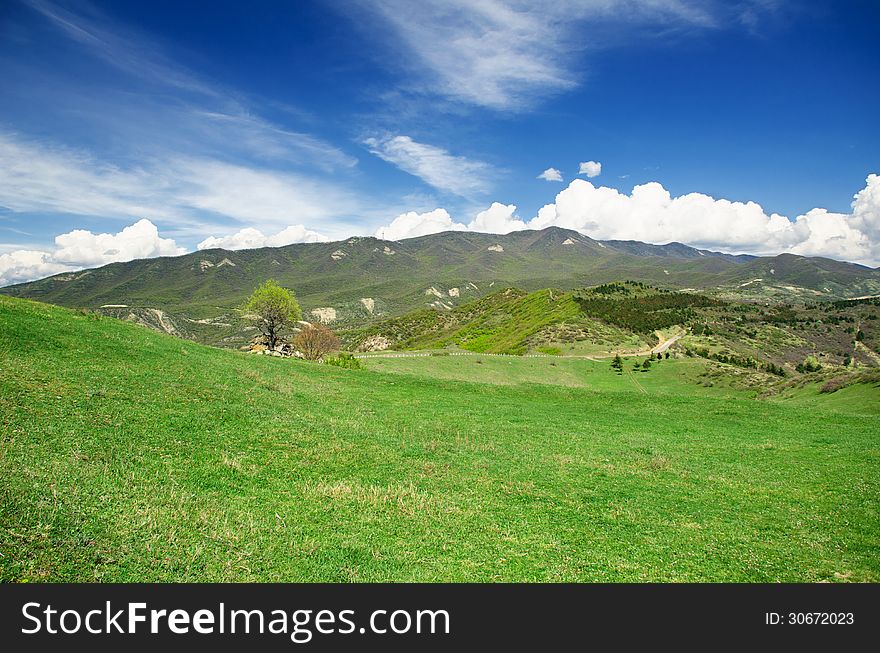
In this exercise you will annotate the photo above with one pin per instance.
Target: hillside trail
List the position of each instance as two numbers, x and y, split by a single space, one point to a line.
656 349
636 382
659 348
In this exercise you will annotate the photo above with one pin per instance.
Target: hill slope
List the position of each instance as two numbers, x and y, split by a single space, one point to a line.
127 455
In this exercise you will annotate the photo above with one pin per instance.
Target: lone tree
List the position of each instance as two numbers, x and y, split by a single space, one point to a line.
315 341
273 309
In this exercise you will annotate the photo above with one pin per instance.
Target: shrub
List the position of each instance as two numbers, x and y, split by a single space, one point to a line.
833 385
315 341
810 364
345 360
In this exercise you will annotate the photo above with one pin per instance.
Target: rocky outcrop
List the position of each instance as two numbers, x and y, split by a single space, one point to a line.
375 343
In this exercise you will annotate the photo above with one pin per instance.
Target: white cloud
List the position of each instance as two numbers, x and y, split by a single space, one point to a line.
412 224
80 248
551 174
45 178
497 219
651 214
250 238
39 177
25 265
866 208
590 168
434 165
505 53
257 195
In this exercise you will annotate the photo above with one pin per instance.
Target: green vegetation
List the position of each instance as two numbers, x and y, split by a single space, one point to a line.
345 360
274 311
500 323
809 364
128 455
642 312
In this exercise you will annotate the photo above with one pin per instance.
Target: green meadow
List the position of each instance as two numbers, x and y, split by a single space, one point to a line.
126 455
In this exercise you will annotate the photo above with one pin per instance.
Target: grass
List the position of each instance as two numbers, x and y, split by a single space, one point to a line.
673 376
131 456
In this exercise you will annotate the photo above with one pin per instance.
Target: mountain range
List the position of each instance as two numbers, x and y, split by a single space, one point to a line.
359 280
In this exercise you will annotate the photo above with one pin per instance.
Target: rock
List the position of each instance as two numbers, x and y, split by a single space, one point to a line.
375 343
325 315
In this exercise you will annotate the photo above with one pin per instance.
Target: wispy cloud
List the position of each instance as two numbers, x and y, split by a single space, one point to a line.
160 103
434 165
41 177
123 49
503 54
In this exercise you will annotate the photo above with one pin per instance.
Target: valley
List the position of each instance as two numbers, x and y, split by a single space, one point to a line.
131 455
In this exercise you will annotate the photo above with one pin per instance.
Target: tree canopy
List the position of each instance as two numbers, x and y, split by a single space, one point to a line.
274 310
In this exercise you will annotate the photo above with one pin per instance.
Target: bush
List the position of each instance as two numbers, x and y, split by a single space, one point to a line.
810 364
345 360
833 385
316 341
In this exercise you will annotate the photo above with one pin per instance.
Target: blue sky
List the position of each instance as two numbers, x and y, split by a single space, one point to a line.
720 124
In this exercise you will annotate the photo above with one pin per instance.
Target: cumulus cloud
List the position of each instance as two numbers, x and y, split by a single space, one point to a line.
497 219
590 168
412 224
551 174
433 165
651 214
27 264
250 238
80 248
866 209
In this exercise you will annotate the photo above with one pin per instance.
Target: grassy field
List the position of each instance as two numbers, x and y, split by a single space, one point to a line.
131 456
675 376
